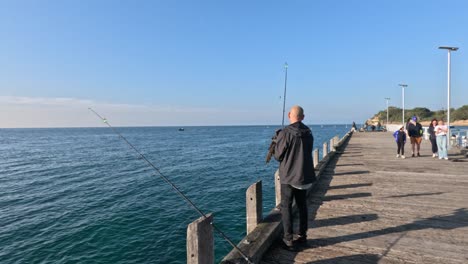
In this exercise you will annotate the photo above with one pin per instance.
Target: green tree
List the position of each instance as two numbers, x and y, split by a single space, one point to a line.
460 114
394 114
440 114
422 112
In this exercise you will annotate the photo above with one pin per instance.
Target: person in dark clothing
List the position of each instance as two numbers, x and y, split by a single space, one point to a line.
433 137
400 138
407 123
415 132
294 152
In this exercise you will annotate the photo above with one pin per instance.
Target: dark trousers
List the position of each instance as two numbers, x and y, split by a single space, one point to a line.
434 144
288 194
401 146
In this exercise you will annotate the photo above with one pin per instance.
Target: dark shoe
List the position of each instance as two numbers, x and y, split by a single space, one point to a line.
412 155
419 155
301 240
289 245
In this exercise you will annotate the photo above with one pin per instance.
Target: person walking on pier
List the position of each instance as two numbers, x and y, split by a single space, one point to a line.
415 132
294 152
400 138
433 137
441 133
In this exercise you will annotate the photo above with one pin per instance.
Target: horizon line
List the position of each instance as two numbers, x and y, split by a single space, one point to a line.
169 126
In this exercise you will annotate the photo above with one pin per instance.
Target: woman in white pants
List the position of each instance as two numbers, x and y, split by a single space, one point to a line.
441 137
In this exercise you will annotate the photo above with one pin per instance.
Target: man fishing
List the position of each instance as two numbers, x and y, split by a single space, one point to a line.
293 150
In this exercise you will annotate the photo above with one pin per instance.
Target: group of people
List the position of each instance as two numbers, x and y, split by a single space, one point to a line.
413 129
292 146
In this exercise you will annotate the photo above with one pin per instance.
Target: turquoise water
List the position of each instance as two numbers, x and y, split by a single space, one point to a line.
80 195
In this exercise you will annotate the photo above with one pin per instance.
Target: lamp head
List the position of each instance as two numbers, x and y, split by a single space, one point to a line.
449 48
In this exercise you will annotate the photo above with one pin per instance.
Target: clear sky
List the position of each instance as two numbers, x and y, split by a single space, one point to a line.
221 62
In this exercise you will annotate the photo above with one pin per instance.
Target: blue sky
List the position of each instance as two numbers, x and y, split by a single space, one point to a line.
221 62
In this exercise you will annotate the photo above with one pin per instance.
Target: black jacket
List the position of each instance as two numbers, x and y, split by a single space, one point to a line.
294 152
414 129
431 132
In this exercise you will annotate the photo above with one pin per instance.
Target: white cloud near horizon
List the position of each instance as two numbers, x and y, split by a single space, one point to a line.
22 112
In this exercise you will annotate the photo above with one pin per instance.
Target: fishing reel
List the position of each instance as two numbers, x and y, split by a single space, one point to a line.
271 148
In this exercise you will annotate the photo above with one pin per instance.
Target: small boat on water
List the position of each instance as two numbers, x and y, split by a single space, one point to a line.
181 129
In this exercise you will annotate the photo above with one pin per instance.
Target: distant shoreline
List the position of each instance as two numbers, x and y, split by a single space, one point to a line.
454 123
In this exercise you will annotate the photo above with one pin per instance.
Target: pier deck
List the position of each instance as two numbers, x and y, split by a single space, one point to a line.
371 207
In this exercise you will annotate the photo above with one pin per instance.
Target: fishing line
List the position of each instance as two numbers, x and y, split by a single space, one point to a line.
284 97
176 189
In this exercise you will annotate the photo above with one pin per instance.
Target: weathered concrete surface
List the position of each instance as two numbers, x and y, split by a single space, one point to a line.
200 241
372 207
254 206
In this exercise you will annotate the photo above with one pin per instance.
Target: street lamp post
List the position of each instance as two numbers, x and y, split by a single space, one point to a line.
387 98
403 86
449 50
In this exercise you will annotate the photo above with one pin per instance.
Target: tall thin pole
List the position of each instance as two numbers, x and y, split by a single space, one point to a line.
448 101
387 98
403 115
284 96
449 49
403 102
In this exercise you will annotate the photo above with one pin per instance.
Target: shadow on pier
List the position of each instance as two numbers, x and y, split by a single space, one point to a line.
359 258
459 218
370 207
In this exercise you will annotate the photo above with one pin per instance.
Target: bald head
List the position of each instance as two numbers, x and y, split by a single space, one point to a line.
296 114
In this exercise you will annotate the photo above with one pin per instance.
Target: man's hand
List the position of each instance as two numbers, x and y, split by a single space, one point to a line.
277 131
271 148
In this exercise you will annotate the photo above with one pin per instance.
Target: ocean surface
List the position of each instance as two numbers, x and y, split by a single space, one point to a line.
81 195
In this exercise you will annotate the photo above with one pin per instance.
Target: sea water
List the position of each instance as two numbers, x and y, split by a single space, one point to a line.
81 195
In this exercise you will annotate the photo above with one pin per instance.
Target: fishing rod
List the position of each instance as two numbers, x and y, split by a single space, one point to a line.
176 189
271 148
284 96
